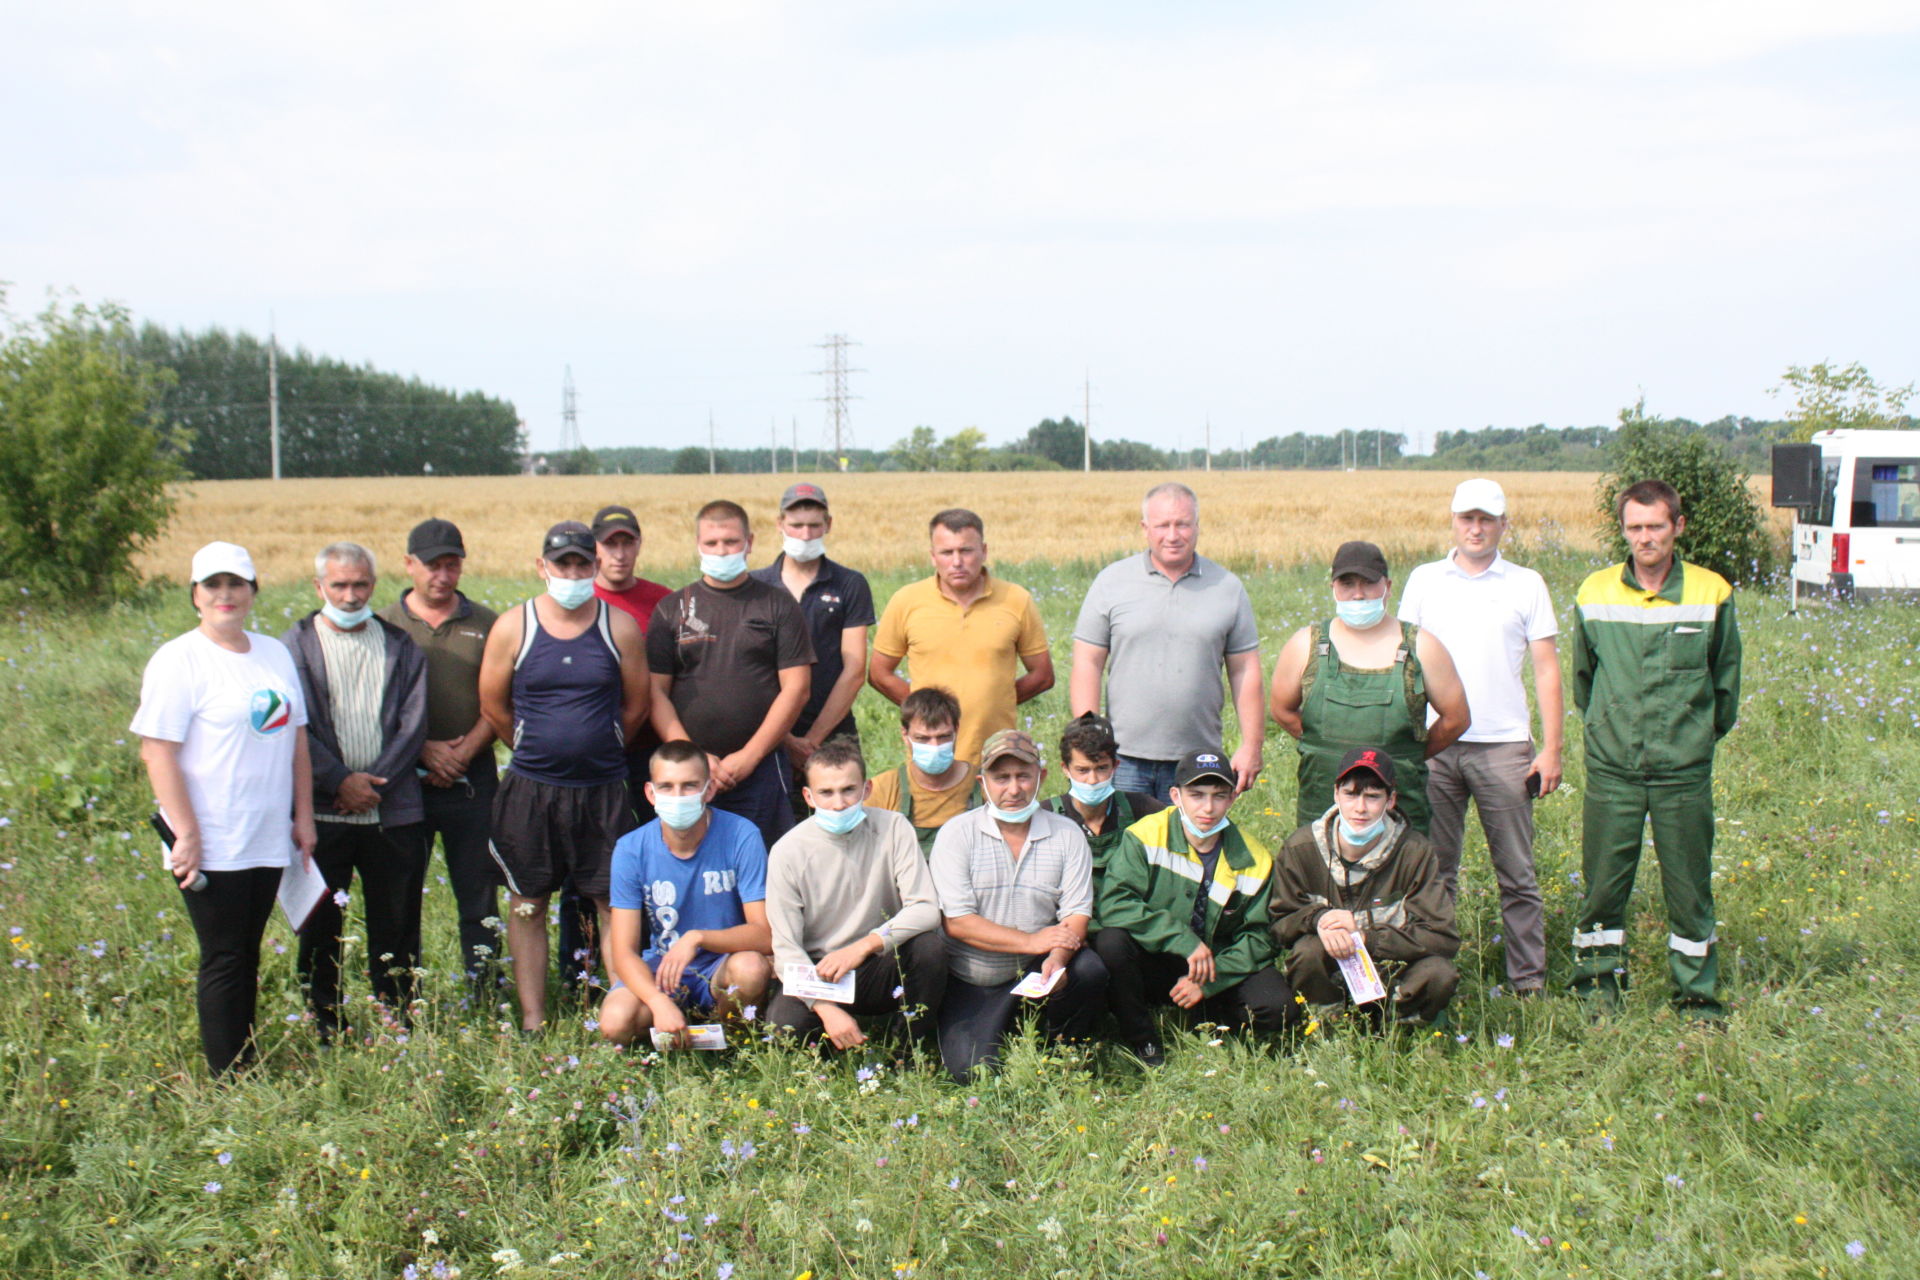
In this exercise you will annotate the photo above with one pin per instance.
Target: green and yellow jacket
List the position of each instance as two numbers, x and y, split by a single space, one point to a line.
1656 674
1153 877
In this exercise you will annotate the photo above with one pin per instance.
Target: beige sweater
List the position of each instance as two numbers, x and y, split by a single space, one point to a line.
825 891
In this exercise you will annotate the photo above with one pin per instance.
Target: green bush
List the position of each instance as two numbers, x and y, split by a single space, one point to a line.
1726 531
83 468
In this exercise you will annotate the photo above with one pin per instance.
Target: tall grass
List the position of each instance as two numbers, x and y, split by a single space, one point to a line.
1520 1141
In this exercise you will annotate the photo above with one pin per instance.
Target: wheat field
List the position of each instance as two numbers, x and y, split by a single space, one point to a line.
1247 517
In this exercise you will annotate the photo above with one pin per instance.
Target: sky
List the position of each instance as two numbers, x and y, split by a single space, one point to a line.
1268 216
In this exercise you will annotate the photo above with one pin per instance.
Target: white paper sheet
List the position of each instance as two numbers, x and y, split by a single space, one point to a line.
802 982
300 891
705 1035
1363 980
1033 986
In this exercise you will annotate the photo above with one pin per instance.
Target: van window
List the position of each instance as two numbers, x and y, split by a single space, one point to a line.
1886 493
1829 489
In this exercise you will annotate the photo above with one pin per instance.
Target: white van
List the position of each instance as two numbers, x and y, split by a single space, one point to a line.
1856 524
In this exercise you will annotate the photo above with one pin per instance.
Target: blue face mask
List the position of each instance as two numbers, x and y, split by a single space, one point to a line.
344 620
1361 614
1363 835
934 758
1090 792
1202 833
570 593
679 812
723 568
840 821
1015 815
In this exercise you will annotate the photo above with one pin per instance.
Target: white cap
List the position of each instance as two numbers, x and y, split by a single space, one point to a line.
1480 494
223 557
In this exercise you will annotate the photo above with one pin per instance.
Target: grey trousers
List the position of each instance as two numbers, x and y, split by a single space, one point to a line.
1494 775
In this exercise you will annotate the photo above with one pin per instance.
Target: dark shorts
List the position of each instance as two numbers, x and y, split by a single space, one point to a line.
544 833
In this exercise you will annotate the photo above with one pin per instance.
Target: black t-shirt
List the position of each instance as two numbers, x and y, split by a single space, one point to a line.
725 650
838 598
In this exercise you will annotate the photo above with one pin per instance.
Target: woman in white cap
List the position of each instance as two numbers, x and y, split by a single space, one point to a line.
223 735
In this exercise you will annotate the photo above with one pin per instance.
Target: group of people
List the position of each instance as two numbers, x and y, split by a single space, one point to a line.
685 772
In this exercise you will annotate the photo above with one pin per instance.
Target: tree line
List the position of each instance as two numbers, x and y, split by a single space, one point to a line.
336 419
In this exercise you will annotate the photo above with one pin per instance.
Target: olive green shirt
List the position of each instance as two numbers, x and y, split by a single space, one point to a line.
453 651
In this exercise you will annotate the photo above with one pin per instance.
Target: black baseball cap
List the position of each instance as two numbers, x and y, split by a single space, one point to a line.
434 538
1362 559
1373 760
569 537
614 520
1197 766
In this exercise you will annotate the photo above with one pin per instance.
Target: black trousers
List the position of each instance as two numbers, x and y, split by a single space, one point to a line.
463 819
229 916
1141 980
975 1018
392 862
918 967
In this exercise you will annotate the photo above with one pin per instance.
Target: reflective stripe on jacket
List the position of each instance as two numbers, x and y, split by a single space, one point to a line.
1656 674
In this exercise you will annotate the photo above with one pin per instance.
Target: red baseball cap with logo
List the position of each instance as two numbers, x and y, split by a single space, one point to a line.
1374 760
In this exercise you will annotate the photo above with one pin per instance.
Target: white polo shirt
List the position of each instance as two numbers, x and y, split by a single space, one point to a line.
1486 620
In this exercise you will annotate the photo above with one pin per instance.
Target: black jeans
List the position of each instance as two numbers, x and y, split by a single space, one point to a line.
229 916
392 862
463 819
918 967
1142 979
976 1018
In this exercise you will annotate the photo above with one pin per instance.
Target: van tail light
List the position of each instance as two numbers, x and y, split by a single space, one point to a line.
1842 552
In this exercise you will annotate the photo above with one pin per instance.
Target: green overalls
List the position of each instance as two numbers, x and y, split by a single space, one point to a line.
1120 816
1345 707
926 834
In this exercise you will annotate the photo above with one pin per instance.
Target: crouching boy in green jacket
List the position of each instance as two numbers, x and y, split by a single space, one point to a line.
1183 915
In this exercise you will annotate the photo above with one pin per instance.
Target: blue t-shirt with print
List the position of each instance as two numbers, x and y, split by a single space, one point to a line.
704 891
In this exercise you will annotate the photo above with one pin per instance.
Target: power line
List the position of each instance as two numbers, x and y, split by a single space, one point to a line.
837 395
569 416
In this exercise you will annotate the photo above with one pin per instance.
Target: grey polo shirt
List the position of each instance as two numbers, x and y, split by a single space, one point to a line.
1167 643
973 875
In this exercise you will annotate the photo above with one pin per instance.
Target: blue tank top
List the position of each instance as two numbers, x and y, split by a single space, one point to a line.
566 705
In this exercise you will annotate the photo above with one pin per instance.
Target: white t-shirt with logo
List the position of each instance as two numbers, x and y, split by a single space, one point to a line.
234 715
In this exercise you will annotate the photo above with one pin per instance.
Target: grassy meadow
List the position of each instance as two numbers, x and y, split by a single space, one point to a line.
1520 1141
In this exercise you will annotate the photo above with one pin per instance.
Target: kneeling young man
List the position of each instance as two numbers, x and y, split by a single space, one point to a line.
1016 890
849 892
933 786
699 874
1090 756
1183 915
1360 872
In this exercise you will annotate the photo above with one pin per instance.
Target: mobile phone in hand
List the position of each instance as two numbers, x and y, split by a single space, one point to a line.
1533 785
165 832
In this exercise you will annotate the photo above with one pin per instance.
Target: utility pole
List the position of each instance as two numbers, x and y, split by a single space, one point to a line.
1209 466
569 416
773 446
1378 449
837 396
1086 420
713 467
794 453
273 393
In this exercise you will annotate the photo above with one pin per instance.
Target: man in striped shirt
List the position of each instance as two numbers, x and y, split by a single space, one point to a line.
365 683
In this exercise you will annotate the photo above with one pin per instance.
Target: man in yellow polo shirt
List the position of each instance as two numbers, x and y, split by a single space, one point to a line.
964 629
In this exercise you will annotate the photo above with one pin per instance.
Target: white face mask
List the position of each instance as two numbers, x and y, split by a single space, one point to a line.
803 550
570 593
723 568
